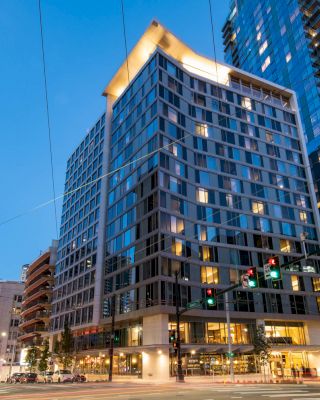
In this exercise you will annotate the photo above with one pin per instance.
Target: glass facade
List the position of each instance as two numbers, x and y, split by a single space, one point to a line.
279 41
210 190
74 290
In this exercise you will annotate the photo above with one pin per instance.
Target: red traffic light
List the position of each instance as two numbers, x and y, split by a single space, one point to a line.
272 261
209 292
251 272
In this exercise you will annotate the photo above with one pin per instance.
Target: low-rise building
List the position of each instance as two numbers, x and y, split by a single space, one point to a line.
10 298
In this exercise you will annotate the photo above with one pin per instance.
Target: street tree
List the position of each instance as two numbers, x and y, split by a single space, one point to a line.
261 347
32 358
63 348
44 357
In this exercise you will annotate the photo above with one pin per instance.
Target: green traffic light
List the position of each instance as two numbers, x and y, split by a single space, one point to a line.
253 283
210 301
275 274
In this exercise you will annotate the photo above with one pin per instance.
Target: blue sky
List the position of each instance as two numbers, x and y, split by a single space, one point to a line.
84 46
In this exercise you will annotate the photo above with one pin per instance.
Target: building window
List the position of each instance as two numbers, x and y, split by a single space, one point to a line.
202 195
201 129
288 57
209 275
263 47
285 246
316 285
295 283
257 207
266 64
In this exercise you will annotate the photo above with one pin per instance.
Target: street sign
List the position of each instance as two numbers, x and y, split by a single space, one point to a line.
267 271
194 304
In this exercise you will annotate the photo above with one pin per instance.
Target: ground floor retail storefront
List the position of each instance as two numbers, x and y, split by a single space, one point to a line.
200 362
142 348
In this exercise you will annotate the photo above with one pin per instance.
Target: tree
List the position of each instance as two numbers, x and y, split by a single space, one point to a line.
32 357
261 347
63 348
45 354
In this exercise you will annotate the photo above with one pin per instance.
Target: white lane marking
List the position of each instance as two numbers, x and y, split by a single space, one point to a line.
271 391
292 394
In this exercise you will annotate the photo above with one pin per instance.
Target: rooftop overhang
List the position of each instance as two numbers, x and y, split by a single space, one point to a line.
157 36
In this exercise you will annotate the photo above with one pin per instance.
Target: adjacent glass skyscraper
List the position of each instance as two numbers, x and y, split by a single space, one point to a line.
280 41
203 171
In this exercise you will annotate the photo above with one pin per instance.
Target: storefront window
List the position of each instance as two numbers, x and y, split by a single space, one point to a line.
286 333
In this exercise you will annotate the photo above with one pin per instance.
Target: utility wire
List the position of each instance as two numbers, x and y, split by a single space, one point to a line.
48 117
53 200
125 39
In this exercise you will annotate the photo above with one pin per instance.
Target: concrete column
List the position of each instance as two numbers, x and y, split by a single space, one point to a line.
155 359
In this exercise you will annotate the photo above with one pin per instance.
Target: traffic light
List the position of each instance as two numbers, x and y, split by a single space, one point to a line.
252 277
210 297
274 268
230 354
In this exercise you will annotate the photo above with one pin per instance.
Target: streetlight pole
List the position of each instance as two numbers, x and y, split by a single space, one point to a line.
226 298
180 376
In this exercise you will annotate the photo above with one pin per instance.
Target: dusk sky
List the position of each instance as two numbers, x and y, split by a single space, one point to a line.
84 46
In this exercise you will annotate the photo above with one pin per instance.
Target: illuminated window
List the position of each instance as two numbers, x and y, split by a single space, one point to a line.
266 64
246 103
283 30
202 195
318 303
258 36
285 245
257 207
295 283
209 275
177 247
206 254
288 57
303 216
201 129
263 47
316 285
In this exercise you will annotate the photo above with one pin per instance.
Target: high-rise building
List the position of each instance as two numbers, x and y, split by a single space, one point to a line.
80 256
200 169
10 300
37 298
279 40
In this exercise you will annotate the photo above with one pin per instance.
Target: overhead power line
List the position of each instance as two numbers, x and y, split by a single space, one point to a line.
125 39
48 117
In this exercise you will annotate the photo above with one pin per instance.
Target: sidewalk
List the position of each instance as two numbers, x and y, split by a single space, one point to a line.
205 380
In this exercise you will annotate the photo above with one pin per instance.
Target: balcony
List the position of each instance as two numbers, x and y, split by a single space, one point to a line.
35 330
46 279
35 307
42 292
37 317
39 271
38 263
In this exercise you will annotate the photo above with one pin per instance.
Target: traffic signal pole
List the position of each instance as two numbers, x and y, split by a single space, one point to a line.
180 376
226 298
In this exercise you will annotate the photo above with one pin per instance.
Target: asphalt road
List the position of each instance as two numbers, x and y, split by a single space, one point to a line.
174 391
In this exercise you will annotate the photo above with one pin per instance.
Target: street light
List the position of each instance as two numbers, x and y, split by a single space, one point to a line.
176 270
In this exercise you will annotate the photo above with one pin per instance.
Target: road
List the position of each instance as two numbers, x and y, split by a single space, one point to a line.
172 391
